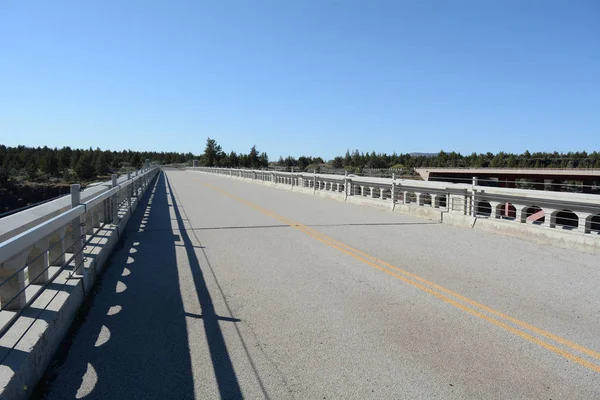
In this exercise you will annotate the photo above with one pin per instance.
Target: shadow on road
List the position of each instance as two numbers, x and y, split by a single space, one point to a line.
227 381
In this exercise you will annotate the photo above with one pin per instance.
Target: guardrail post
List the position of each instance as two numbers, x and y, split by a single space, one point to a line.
114 202
473 200
347 186
12 292
393 191
135 186
76 233
129 191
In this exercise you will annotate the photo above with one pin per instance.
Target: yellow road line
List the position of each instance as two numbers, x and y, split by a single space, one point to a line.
410 278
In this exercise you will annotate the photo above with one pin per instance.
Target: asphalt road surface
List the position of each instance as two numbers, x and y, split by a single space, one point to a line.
231 289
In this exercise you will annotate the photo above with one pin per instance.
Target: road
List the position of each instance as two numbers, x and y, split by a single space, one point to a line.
228 289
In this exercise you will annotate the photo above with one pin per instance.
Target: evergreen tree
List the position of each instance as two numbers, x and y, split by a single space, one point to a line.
211 152
84 168
253 161
101 166
50 163
263 160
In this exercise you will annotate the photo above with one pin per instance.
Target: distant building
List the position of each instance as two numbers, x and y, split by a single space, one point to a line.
573 180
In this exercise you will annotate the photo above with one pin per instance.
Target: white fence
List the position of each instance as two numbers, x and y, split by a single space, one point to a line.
40 243
574 212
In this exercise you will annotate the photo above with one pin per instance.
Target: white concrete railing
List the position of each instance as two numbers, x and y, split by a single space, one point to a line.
575 212
40 243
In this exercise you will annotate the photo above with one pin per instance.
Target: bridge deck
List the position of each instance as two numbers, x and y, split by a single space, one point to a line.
227 289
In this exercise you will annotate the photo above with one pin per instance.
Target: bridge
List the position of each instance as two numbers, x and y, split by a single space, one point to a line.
219 283
539 178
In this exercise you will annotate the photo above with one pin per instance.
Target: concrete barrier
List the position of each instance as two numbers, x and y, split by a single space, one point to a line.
568 220
33 326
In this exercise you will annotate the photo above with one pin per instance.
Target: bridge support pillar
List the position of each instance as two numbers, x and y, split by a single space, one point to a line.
37 263
519 214
495 211
550 218
114 202
130 189
12 293
583 221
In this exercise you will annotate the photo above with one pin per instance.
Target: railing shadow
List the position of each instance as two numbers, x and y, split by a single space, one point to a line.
227 381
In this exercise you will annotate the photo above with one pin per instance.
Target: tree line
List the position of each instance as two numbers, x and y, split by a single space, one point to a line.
214 156
67 164
43 163
356 159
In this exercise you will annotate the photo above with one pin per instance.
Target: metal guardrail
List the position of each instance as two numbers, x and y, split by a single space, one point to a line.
577 212
33 259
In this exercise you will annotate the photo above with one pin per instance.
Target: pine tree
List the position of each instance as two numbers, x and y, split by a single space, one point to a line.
101 165
84 168
49 163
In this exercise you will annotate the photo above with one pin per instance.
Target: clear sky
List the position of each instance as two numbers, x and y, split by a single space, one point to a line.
312 77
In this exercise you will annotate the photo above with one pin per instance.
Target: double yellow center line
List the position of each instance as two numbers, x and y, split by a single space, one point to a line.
518 327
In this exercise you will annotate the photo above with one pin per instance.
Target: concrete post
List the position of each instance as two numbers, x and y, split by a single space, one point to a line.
468 202
114 201
549 218
12 292
473 200
315 181
381 195
393 189
76 234
347 190
89 223
519 215
129 191
38 266
495 212
582 217
56 252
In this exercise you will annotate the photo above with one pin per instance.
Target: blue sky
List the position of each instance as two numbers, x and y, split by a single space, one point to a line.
311 77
